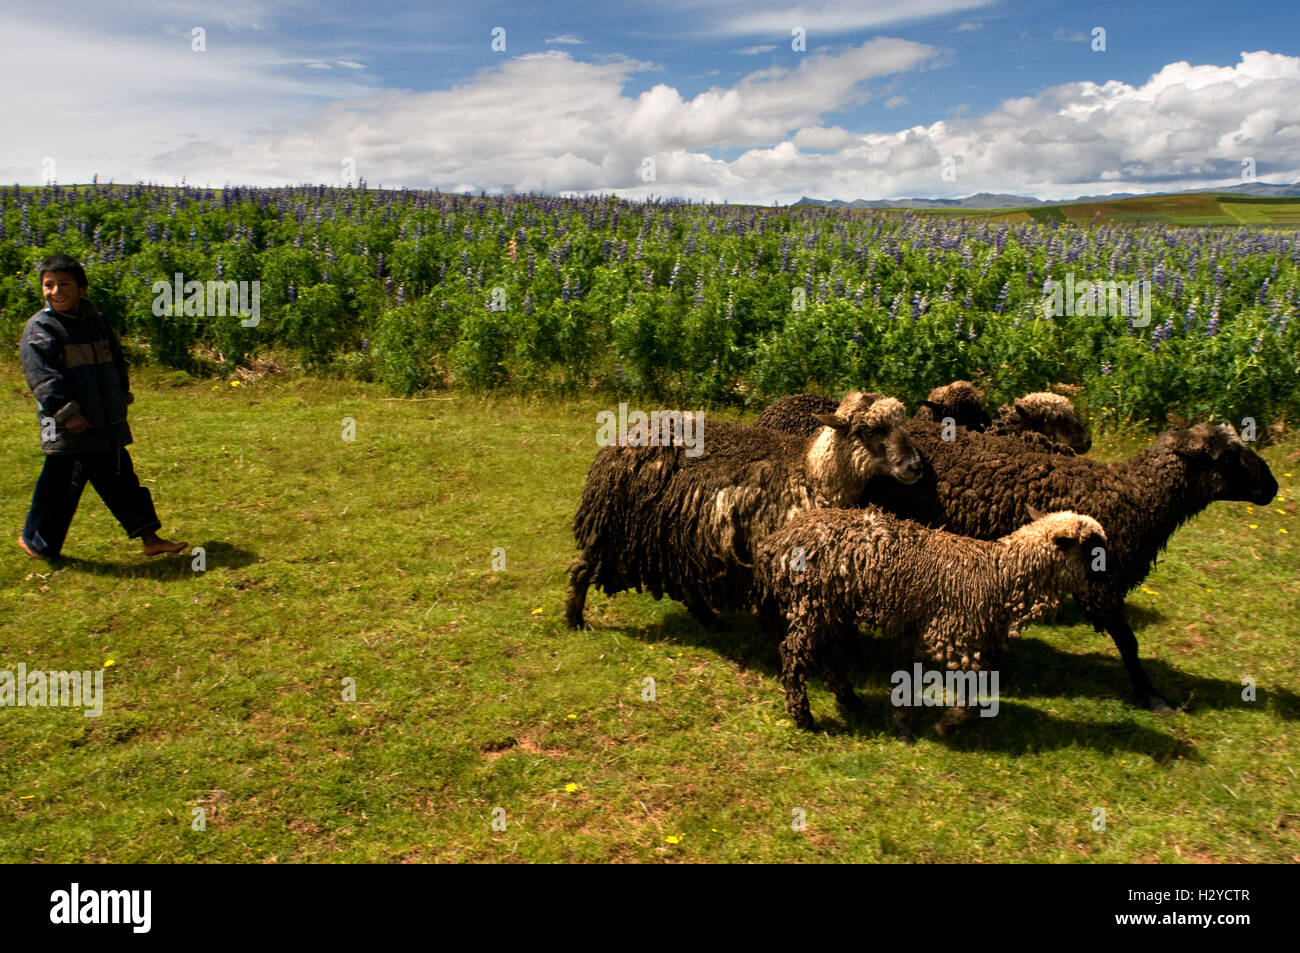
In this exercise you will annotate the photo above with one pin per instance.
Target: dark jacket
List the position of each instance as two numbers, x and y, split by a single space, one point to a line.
75 364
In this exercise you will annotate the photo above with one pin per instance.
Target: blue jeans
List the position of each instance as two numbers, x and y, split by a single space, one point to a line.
58 491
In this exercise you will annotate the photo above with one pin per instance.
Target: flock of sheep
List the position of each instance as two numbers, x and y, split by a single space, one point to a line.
949 530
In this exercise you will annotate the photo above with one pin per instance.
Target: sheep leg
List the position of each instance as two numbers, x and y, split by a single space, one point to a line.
1121 634
579 580
702 613
901 727
793 651
954 716
833 668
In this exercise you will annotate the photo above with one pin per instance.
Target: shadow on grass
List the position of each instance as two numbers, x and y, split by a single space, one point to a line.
1039 669
1035 668
1016 729
164 565
1031 667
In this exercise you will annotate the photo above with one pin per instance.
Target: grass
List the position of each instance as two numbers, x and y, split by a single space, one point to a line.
1196 208
372 560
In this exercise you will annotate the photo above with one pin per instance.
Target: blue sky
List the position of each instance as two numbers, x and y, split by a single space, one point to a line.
933 97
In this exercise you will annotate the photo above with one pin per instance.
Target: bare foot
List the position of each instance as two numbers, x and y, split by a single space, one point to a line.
155 544
27 549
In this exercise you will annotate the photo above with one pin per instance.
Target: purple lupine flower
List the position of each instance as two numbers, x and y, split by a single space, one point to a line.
1003 295
1106 369
857 337
1163 333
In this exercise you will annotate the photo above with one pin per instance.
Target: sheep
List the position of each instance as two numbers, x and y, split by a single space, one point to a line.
656 518
1045 420
960 401
954 599
981 486
795 413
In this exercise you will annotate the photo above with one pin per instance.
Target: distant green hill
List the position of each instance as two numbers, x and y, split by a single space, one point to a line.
1187 208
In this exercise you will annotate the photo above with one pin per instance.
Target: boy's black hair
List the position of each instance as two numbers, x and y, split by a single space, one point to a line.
63 263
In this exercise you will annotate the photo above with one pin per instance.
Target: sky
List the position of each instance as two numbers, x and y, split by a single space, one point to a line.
746 101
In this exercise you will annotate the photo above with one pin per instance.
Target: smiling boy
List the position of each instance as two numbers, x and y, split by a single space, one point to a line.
75 368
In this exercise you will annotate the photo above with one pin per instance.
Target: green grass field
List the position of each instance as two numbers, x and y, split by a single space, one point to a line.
1198 208
372 560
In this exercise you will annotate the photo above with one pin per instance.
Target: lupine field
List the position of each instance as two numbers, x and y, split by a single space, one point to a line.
683 303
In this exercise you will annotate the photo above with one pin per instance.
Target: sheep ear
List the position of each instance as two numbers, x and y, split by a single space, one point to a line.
1033 513
834 421
1064 542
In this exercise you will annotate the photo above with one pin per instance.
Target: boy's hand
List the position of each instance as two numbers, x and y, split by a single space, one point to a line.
77 423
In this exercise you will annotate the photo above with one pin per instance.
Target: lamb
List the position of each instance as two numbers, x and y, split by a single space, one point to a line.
656 518
953 599
981 486
1046 420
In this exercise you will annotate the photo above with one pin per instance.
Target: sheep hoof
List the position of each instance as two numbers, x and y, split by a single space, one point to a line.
573 618
850 702
901 728
1158 706
703 615
950 720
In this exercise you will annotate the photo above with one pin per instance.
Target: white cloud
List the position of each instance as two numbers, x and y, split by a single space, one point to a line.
755 50
965 26
821 138
565 38
1062 35
750 18
248 113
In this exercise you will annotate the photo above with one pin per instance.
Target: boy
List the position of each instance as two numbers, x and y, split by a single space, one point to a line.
76 370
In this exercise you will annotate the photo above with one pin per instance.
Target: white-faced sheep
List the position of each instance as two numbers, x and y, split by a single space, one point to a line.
982 486
658 519
952 599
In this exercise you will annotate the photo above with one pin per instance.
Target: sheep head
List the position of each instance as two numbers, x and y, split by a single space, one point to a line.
1053 416
864 438
1223 466
960 400
1056 549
